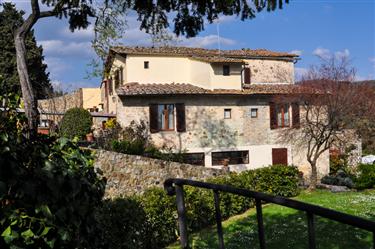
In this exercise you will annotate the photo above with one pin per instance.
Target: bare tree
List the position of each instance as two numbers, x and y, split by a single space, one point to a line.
330 111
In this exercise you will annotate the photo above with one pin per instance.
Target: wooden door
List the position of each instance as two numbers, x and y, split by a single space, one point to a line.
280 156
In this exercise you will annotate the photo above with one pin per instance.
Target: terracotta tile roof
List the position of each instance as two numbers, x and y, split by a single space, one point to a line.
200 52
136 89
217 59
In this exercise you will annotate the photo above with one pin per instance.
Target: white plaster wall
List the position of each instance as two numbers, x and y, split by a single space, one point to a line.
161 69
232 81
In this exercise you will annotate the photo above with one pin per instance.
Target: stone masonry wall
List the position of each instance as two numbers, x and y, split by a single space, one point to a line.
129 174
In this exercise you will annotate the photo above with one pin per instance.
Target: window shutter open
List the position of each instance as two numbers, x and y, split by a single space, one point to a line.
154 118
273 116
180 114
247 75
295 115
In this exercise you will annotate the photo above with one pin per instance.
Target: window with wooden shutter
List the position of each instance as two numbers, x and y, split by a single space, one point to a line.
280 156
181 120
279 115
273 116
154 118
247 78
295 115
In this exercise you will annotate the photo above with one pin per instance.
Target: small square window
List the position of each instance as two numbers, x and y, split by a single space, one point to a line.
227 113
226 70
146 64
254 112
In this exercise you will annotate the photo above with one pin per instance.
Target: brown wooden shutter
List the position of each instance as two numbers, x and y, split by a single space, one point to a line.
280 156
295 115
247 75
273 116
181 123
154 118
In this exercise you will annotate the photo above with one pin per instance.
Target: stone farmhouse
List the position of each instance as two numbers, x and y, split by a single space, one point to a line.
215 106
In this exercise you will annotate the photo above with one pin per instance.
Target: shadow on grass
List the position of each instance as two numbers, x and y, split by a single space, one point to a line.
286 231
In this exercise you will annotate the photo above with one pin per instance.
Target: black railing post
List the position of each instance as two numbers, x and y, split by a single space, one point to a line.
181 217
262 240
311 230
218 219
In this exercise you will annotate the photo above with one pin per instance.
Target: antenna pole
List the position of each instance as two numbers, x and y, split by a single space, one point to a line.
218 35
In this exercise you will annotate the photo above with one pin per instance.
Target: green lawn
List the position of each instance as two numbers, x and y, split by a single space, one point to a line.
287 228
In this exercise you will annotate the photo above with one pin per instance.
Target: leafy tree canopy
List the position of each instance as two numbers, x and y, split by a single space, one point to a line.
10 18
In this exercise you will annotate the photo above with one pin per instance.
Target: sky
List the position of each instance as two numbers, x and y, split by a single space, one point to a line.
310 28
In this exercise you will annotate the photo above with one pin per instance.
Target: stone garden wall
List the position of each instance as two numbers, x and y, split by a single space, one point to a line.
128 174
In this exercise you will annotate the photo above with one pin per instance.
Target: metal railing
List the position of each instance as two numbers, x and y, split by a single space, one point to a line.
175 186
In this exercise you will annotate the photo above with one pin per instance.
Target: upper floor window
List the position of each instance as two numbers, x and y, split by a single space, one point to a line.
282 111
280 115
226 70
162 117
227 113
254 112
146 64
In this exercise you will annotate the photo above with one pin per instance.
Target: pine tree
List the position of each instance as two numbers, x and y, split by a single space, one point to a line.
10 19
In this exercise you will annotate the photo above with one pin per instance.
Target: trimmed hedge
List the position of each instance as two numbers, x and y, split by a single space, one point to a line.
76 122
160 212
366 176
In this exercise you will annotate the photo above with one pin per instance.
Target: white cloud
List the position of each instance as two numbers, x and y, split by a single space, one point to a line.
322 52
327 54
65 48
206 41
56 66
297 52
342 54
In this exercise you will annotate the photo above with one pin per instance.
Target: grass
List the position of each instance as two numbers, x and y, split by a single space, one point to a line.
287 228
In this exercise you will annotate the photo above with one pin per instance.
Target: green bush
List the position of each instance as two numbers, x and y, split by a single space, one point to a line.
48 189
76 122
161 216
122 222
160 226
366 176
340 178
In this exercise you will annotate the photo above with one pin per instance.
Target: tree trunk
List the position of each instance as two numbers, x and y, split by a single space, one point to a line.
313 176
31 105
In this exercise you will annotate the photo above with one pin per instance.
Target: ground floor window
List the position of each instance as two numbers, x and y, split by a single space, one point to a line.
194 158
230 157
280 156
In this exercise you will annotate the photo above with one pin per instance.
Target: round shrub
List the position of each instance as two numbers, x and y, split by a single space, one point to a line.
76 123
366 176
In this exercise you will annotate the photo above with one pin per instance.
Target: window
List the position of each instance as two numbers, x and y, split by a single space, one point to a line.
254 112
194 158
227 113
280 156
117 79
44 123
166 117
146 64
110 86
231 157
226 70
162 117
279 115
247 76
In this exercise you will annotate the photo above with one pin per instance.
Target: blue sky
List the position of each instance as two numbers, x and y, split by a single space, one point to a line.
307 27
